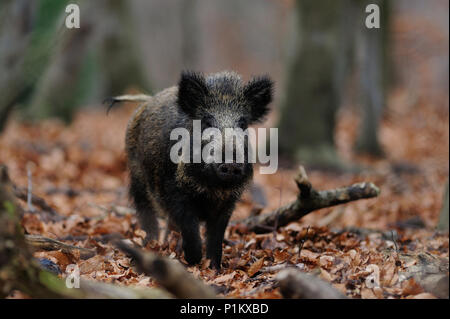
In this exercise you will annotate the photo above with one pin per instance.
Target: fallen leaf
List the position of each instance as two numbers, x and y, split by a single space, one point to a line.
255 267
224 278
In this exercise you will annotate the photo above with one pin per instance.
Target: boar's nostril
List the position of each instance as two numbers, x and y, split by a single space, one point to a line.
230 170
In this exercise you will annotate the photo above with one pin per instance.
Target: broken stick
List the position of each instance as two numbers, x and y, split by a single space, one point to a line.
295 284
170 274
45 243
308 200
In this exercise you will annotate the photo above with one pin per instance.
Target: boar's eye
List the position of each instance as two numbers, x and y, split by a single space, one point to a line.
208 121
242 123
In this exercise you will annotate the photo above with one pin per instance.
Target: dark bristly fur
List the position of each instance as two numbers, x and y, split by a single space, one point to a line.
190 193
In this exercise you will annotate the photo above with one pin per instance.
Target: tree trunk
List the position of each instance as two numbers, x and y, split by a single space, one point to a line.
80 55
372 60
307 119
119 58
17 22
56 92
190 41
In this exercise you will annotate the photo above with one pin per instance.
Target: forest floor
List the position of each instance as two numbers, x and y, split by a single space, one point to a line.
80 170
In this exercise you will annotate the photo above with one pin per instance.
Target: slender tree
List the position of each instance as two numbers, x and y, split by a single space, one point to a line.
307 119
373 74
331 40
16 25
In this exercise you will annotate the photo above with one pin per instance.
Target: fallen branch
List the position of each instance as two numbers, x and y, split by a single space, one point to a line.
170 274
295 284
308 200
104 238
45 243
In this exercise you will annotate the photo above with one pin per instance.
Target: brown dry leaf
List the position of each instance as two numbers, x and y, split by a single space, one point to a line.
411 287
326 261
378 292
271 243
72 222
387 273
74 254
337 268
58 257
269 294
241 274
326 275
356 259
121 275
224 278
357 275
92 264
32 224
111 224
309 255
255 267
280 255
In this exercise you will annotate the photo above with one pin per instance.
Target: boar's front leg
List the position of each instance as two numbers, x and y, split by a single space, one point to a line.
188 224
215 230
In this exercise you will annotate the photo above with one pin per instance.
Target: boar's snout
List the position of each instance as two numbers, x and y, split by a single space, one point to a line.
230 171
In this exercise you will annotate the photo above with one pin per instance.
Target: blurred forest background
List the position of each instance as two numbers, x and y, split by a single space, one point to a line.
368 103
320 54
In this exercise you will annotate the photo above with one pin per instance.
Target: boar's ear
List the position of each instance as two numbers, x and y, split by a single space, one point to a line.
192 91
258 93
